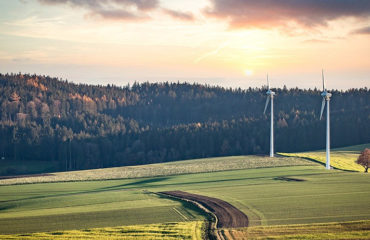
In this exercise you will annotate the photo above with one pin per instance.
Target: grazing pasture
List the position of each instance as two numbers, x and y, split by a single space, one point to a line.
268 196
163 169
340 158
279 195
76 205
165 231
332 230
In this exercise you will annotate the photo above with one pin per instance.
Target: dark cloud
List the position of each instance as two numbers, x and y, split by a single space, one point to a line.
365 30
111 9
101 4
116 15
121 9
279 13
185 16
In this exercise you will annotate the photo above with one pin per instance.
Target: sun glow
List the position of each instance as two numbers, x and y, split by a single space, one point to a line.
248 72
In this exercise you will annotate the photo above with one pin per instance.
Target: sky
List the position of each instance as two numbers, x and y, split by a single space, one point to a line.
229 43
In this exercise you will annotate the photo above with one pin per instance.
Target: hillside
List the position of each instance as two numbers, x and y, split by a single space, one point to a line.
48 124
268 196
340 158
205 165
124 202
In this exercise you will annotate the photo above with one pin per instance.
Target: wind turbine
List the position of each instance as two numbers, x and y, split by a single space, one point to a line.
270 94
326 98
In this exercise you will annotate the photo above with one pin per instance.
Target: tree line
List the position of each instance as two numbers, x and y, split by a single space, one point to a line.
79 126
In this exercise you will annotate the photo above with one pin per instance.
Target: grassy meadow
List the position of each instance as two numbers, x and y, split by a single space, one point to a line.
62 206
195 230
304 193
332 230
340 158
163 169
165 231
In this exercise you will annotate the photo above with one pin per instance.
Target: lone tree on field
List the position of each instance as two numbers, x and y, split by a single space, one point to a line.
364 159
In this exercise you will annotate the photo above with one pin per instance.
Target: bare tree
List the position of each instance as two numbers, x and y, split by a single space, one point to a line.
364 159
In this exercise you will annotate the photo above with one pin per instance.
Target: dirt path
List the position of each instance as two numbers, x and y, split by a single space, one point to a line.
227 215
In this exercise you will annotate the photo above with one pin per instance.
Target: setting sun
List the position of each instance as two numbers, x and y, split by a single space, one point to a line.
122 42
248 72
138 119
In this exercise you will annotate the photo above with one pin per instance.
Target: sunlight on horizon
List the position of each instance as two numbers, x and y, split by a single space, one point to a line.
248 72
167 43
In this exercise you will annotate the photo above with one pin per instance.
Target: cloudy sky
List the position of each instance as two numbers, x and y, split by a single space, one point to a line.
232 43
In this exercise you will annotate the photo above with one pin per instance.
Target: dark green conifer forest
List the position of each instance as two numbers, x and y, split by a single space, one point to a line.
65 126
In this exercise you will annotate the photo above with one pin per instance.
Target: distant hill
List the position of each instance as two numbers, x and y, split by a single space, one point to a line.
68 126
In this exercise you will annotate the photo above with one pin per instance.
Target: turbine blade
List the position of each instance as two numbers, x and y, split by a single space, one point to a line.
322 107
323 80
267 103
268 83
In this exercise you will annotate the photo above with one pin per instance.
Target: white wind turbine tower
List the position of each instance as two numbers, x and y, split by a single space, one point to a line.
270 94
326 97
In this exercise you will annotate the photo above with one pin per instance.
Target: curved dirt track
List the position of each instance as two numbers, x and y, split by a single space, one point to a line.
228 216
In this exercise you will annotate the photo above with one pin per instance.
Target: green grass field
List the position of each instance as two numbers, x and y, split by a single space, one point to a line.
279 195
340 158
333 230
163 169
164 231
195 230
268 196
60 206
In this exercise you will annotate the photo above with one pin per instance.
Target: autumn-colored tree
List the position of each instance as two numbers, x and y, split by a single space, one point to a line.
85 126
364 159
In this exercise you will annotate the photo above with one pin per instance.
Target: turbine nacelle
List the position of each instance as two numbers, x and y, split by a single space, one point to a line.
326 94
270 93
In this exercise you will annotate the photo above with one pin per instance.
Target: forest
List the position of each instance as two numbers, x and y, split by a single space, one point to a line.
69 126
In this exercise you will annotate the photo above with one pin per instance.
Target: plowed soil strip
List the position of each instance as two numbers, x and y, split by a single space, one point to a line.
228 216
